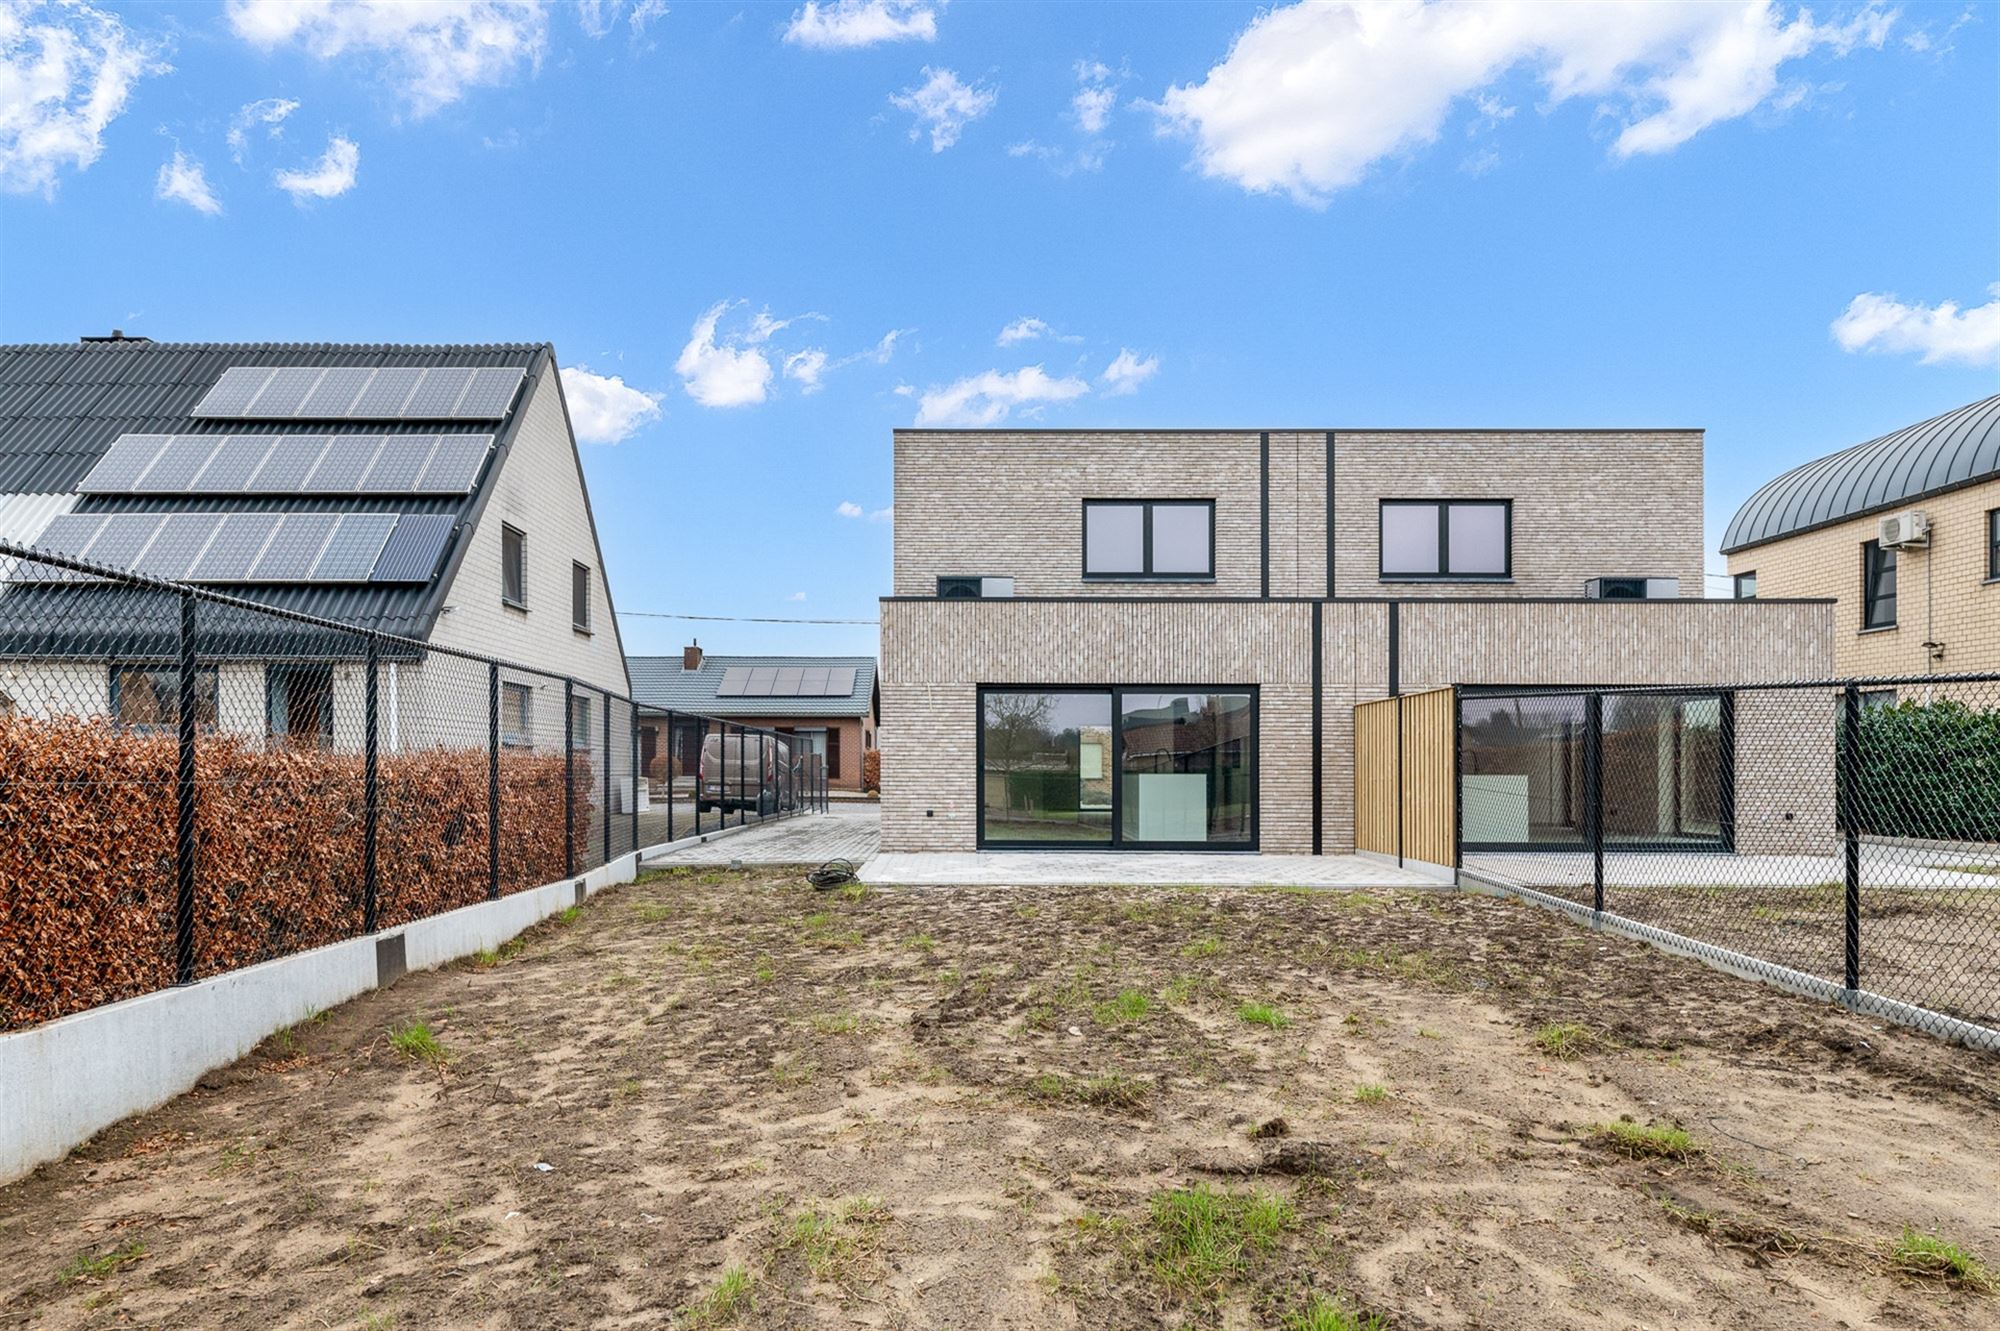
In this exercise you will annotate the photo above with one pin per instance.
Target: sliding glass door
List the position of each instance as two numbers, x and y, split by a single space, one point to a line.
1118 768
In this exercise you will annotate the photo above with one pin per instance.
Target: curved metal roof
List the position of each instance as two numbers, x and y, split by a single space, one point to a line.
1942 453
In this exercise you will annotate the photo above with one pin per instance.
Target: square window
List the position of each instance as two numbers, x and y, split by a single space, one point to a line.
1134 539
1745 586
513 566
1447 539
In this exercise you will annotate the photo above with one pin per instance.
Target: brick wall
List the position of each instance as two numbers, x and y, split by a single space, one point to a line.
1963 610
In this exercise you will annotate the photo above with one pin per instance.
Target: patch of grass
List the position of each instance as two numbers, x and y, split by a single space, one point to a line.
1323 1314
1567 1040
95 1266
1179 991
1113 1090
788 1071
1371 1093
1933 1257
489 957
920 942
1650 1141
652 912
1130 1005
1737 1231
720 1306
415 1039
1202 947
830 1239
567 915
765 971
1262 1014
834 1023
1203 1239
854 892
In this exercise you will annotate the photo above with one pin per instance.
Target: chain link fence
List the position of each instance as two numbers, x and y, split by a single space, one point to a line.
1841 837
191 783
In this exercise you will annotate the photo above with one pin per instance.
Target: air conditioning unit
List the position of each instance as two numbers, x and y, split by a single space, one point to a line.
1632 589
1899 531
973 589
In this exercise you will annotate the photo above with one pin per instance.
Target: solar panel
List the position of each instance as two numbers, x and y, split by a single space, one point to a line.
233 464
344 464
237 543
812 682
438 394
412 550
336 393
123 537
179 462
491 393
839 682
122 463
69 533
294 548
454 467
735 680
233 391
786 685
292 459
350 554
285 391
174 550
384 397
761 679
398 465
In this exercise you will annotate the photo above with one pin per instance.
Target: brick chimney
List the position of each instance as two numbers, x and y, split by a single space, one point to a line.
691 656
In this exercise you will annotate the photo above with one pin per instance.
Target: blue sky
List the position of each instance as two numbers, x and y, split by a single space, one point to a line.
762 237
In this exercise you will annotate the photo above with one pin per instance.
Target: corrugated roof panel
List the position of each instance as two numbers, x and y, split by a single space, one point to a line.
23 516
1960 447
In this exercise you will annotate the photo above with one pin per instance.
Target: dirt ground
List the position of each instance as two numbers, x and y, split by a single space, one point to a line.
725 1099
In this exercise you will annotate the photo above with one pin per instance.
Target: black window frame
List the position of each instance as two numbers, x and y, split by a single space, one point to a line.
114 696
580 736
1116 761
520 561
1737 581
579 596
1443 507
1876 562
1146 504
523 738
1993 545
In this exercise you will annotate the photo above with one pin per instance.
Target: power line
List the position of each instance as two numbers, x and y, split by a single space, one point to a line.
736 619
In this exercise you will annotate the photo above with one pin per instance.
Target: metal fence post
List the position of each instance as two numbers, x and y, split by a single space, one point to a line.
607 777
1850 827
760 776
569 776
184 792
493 781
632 720
1593 776
371 805
670 781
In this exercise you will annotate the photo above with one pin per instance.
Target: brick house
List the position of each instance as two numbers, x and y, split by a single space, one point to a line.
1909 605
1155 639
831 703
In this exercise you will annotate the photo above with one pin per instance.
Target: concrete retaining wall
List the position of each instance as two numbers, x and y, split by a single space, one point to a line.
63 1082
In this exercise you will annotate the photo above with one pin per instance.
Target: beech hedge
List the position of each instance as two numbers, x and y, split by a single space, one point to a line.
87 866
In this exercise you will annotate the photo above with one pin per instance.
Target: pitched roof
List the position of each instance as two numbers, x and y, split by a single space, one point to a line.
1961 447
62 405
658 682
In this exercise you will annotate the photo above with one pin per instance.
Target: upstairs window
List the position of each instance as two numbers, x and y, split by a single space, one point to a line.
1166 540
579 598
513 566
1447 539
1745 585
1993 544
1878 586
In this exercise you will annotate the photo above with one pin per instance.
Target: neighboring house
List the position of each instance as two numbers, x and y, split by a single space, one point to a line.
1904 531
433 492
1155 639
831 703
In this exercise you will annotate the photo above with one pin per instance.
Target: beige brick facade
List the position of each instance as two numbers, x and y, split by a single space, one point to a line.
1943 594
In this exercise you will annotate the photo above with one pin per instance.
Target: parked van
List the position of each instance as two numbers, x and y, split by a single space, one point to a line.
728 777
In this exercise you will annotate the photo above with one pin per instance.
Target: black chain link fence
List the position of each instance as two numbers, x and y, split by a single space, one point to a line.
1842 837
191 783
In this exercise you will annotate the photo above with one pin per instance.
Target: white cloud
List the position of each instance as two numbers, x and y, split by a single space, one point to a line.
268 111
944 105
883 514
850 23
183 181
729 373
66 72
989 398
806 367
796 596
1126 372
848 509
605 409
1023 330
431 51
328 178
1935 333
1312 95
811 366
1089 114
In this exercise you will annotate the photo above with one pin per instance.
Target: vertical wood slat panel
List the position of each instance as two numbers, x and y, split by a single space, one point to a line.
1375 794
1430 788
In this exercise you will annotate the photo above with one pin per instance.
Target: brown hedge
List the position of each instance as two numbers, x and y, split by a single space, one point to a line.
871 771
87 815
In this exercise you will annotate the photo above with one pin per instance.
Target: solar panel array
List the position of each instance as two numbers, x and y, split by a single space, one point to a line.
333 464
357 393
250 547
786 682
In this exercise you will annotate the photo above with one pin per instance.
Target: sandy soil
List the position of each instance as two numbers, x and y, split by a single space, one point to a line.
933 1108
